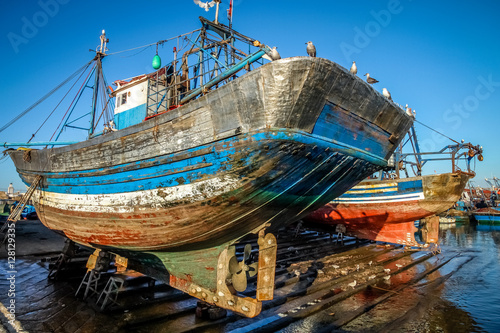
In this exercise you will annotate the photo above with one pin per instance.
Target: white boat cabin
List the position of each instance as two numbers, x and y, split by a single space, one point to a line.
147 95
131 101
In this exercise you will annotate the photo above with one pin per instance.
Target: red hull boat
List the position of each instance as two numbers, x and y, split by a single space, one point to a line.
385 210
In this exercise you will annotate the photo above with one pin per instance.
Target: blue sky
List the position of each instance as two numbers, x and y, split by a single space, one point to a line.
440 57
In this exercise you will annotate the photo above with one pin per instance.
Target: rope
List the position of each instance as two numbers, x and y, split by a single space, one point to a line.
432 129
69 107
104 103
159 42
44 97
133 55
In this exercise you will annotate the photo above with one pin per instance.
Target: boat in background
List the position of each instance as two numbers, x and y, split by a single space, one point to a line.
192 163
487 216
385 209
29 212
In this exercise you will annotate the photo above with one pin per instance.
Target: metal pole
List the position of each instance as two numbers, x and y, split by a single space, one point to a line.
96 91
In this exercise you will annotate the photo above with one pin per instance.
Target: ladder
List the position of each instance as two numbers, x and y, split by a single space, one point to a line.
16 213
111 291
90 283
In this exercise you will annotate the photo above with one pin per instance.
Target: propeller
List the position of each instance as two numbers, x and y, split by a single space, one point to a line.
240 271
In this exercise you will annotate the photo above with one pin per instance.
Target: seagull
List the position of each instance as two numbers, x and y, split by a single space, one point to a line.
352 284
369 79
206 5
387 270
311 49
357 268
386 93
370 263
274 54
408 110
354 69
371 277
399 265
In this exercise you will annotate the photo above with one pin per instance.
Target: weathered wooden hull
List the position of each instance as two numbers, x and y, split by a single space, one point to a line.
251 185
386 210
258 150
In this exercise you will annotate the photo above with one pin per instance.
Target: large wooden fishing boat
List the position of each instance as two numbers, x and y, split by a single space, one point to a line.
196 162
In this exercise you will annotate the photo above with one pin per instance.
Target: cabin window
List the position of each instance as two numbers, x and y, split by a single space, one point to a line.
122 99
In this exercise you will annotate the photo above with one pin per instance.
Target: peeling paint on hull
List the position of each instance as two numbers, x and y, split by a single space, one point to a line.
279 185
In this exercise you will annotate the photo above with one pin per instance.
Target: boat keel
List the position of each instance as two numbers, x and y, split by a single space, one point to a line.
224 295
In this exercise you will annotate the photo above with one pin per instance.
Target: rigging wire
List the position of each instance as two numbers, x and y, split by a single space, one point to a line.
69 107
132 49
22 114
432 129
133 55
161 42
108 107
105 111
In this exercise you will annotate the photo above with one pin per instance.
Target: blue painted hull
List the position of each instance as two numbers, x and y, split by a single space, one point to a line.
275 178
487 219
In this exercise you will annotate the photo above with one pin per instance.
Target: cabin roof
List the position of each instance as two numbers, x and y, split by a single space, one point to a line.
127 83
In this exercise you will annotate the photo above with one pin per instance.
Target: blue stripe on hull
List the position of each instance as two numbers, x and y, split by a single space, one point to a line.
412 186
164 171
487 218
404 187
346 127
288 187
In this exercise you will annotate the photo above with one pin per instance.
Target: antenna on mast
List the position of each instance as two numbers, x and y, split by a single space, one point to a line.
100 53
102 48
217 3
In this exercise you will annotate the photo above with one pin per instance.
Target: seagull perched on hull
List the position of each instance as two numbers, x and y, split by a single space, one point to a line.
311 49
274 54
369 79
386 93
205 5
354 68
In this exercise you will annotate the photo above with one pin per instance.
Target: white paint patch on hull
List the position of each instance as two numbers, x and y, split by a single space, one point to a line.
381 199
132 201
